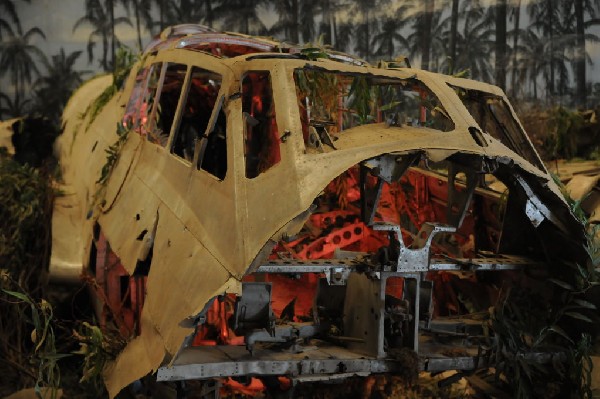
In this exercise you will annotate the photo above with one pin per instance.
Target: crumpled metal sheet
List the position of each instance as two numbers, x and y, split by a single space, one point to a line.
67 244
581 185
587 190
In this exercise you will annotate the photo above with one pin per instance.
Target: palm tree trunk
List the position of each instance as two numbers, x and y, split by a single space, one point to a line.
185 7
581 95
513 80
427 22
534 86
501 43
136 6
453 34
246 19
105 52
161 12
19 85
294 23
111 13
366 13
209 13
551 28
334 34
326 22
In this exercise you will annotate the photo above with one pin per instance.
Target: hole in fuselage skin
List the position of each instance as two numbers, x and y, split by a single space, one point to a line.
351 304
142 235
478 136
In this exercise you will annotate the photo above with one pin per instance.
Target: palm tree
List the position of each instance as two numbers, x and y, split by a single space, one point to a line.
335 28
328 28
288 25
453 36
563 27
545 16
296 20
426 23
207 11
561 61
100 16
580 9
438 49
390 34
55 87
141 11
307 19
9 11
428 26
500 11
580 53
475 42
325 27
420 38
188 11
343 35
18 59
162 7
516 15
366 27
531 62
240 16
13 108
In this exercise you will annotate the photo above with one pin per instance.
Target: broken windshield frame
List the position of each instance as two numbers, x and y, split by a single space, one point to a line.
494 117
333 101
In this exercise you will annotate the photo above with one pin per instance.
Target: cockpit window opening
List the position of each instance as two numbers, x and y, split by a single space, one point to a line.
142 98
213 149
261 140
163 113
225 48
494 117
199 102
331 102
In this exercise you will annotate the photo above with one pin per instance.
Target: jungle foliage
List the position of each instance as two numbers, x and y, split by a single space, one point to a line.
26 333
544 326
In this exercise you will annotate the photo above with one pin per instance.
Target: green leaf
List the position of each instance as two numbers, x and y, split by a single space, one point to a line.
19 295
556 329
56 356
36 319
584 304
582 272
578 316
462 74
389 106
561 284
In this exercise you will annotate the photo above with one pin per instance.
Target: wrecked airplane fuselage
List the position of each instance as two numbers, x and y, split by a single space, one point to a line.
272 215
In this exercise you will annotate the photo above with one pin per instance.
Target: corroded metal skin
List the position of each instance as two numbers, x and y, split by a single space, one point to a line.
205 233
